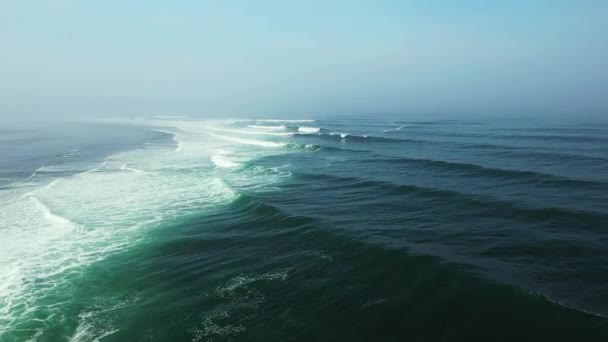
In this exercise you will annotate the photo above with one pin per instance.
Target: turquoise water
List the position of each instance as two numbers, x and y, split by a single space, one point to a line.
358 229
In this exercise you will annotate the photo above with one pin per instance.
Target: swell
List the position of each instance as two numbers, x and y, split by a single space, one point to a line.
534 137
356 253
358 138
473 204
246 207
556 156
443 143
488 172
359 276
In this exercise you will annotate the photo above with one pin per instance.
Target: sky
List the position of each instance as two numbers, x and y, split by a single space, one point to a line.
64 58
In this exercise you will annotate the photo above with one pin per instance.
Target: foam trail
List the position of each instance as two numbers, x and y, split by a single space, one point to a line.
309 130
220 161
48 186
276 120
396 129
53 218
250 132
180 144
250 141
126 168
272 128
31 176
62 226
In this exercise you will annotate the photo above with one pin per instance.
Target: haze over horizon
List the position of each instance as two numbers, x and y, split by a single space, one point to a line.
287 58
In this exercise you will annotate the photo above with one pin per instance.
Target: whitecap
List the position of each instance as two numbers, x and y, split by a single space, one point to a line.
250 132
221 161
126 168
287 120
272 128
309 130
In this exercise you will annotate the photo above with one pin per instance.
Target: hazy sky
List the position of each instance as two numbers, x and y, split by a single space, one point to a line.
235 58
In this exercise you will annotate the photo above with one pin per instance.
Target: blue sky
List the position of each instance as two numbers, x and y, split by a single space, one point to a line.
294 58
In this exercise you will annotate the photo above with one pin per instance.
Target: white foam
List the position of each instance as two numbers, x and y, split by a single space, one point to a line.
127 168
72 154
221 161
179 144
250 132
46 187
272 128
98 320
278 120
54 228
309 130
263 143
342 135
31 176
397 129
56 220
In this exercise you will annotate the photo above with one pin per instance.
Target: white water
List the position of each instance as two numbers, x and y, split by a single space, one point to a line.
52 229
221 161
309 130
251 132
262 143
272 128
342 135
278 120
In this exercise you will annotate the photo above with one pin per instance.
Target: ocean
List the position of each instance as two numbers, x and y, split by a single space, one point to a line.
339 229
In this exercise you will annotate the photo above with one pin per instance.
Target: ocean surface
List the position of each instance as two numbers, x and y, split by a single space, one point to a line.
345 229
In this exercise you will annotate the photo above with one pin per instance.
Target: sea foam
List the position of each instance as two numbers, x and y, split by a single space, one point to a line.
309 130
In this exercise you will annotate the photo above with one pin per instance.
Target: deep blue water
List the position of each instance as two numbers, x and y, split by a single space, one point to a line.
359 229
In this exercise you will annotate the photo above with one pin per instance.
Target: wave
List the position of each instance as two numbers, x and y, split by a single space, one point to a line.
251 132
397 129
34 174
126 168
309 130
478 170
109 208
221 161
342 135
358 138
250 141
249 205
46 187
555 138
308 147
288 120
555 156
75 153
54 219
179 146
272 128
510 137
479 205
